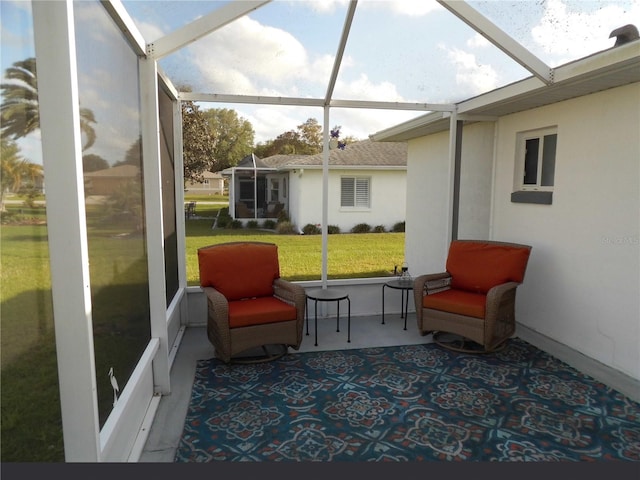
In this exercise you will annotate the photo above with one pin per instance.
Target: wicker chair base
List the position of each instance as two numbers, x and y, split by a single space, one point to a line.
459 343
267 356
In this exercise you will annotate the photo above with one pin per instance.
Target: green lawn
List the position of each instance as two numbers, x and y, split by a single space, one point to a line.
349 255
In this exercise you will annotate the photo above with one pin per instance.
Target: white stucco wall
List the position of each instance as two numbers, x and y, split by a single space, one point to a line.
388 198
476 177
583 280
582 285
429 190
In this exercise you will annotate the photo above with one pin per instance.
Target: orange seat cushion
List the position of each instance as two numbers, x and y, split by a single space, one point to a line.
241 270
457 301
478 266
257 311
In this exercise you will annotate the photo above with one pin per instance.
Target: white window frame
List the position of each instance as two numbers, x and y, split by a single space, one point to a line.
357 205
521 141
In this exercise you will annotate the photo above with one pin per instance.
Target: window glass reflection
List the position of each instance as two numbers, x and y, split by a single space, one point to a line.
31 419
113 176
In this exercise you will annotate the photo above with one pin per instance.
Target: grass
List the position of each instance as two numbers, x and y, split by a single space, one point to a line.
349 255
206 198
31 420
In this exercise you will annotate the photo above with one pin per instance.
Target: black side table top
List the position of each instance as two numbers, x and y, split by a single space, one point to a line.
327 294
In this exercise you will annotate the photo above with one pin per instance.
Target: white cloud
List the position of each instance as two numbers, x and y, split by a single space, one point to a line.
149 31
364 89
478 41
471 76
361 123
268 123
411 8
573 34
323 6
245 54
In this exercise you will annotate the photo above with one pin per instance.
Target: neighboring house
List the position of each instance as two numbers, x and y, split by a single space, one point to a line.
212 184
109 180
556 167
366 184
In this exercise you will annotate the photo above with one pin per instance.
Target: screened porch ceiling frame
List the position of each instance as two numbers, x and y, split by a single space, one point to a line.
232 11
218 18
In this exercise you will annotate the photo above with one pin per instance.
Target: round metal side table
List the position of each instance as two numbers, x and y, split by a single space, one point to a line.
329 295
405 286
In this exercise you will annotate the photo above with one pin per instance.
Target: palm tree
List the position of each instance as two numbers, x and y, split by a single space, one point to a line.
19 111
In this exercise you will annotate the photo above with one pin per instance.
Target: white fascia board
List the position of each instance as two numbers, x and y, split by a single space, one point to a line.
606 60
346 167
499 38
507 93
597 64
201 27
413 124
126 25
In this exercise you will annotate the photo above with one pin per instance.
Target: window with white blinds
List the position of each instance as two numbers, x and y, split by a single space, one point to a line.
355 192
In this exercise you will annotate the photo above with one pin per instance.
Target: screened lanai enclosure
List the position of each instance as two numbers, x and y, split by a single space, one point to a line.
94 292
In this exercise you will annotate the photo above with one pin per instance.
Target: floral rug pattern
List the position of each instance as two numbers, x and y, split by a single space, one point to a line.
407 403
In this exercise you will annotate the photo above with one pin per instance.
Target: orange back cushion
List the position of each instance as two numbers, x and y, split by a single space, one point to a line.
240 270
479 266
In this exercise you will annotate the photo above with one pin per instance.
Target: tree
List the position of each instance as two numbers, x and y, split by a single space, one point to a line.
198 144
233 136
305 140
311 136
133 155
92 163
15 170
19 111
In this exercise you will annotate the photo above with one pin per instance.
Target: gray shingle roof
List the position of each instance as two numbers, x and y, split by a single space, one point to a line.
363 153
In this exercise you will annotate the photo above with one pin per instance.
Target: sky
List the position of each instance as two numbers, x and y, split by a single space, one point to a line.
398 51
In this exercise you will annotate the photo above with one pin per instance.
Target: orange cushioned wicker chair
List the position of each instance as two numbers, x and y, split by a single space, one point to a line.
475 297
248 304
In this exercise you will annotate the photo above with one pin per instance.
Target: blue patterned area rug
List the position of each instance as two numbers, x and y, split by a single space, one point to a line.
407 403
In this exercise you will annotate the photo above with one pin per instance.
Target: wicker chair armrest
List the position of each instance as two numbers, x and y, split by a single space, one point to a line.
425 284
217 306
288 290
500 309
291 293
432 283
499 295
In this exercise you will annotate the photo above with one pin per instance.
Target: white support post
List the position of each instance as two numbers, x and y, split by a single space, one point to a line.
67 230
153 218
178 165
325 197
453 138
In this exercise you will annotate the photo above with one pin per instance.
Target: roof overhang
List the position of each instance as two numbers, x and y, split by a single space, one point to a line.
611 68
344 167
